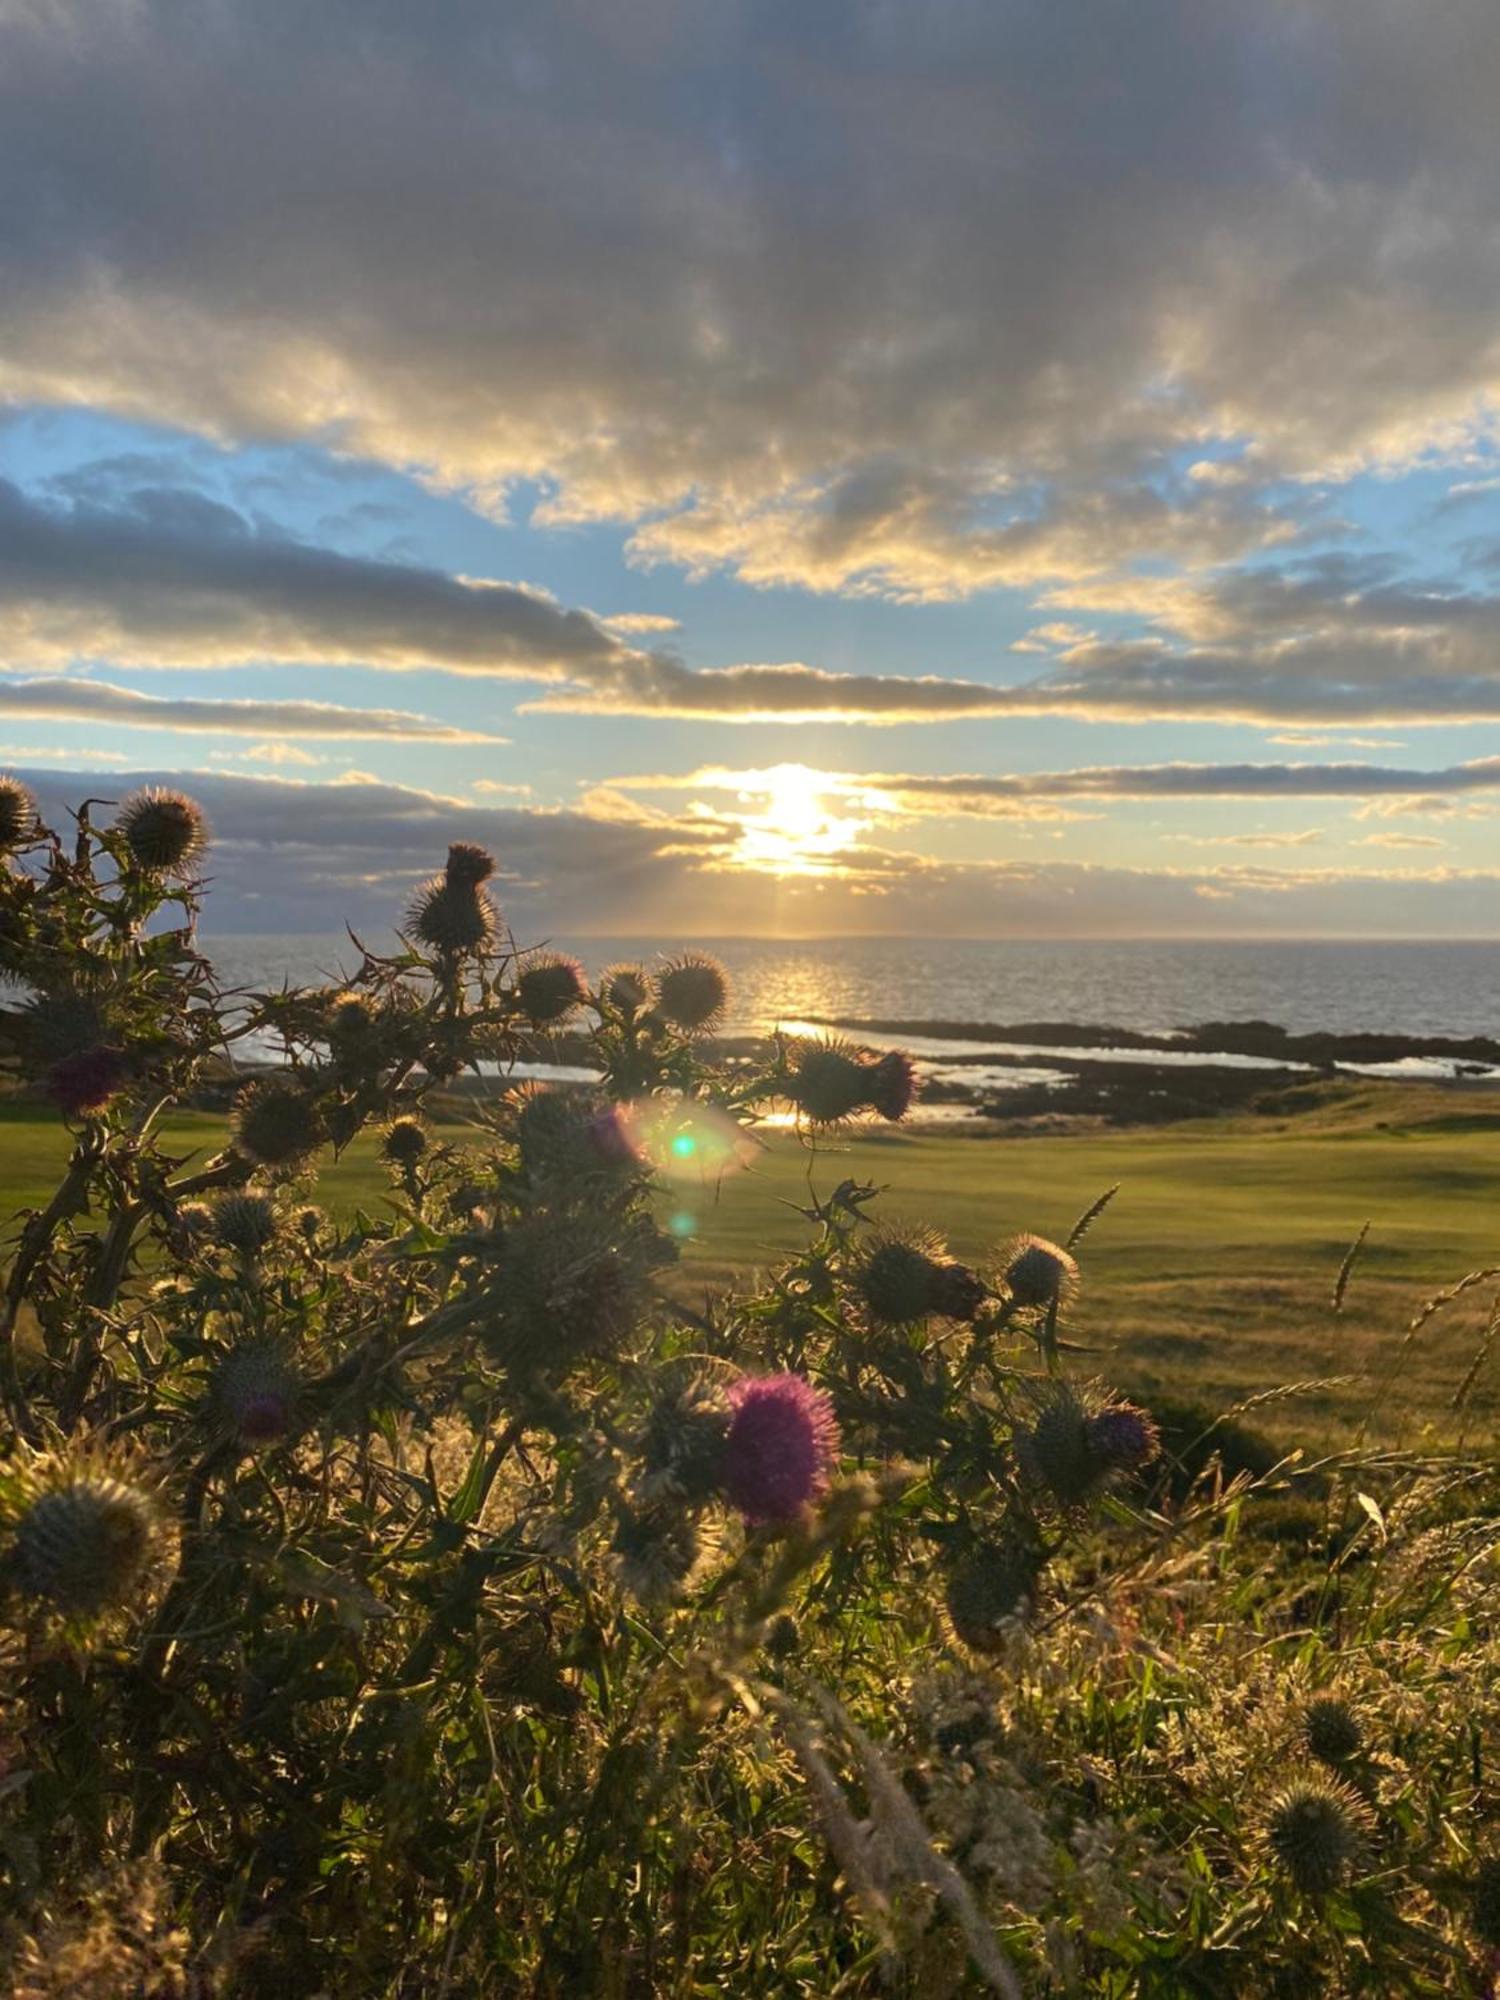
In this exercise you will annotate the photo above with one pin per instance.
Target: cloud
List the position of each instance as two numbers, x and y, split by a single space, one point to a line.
862 298
98 701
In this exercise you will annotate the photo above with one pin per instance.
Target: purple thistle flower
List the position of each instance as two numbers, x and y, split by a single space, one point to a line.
893 1085
1124 1436
782 1443
86 1082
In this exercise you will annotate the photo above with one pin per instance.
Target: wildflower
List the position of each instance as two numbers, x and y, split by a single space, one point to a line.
194 1220
451 917
626 988
1057 1451
89 1535
897 1279
1039 1273
468 865
1123 1437
165 832
682 1447
276 1123
992 1587
780 1448
404 1141
958 1292
828 1082
83 1084
1317 1829
255 1389
656 1549
18 814
1331 1731
892 1085
693 992
1486 1899
573 1286
245 1223
550 988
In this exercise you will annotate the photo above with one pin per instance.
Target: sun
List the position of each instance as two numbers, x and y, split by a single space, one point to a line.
794 831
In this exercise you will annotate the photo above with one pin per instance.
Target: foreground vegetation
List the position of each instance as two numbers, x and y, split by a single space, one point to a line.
422 1575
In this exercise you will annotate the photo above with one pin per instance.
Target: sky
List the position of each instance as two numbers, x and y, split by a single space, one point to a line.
924 467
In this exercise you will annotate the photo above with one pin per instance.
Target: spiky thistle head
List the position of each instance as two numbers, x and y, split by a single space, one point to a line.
245 1223
308 1221
692 993
468 865
404 1141
991 1588
574 1283
626 988
1056 1450
87 1082
255 1389
656 1550
1038 1272
1485 1899
351 1017
891 1085
89 1539
276 1123
164 831
1123 1436
551 987
451 918
682 1443
18 815
780 1448
1331 1730
828 1082
194 1220
1317 1830
957 1291
897 1276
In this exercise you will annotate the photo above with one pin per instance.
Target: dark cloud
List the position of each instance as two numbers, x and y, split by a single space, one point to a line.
861 296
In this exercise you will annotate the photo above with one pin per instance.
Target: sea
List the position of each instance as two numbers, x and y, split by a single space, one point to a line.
1152 987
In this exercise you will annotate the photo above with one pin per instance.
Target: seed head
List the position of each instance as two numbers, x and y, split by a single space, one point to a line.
1331 1731
468 865
626 988
245 1223
83 1084
1039 1273
451 917
892 1085
255 1390
828 1082
990 1588
18 815
780 1448
276 1123
165 832
403 1142
550 988
1317 1831
1123 1437
89 1537
693 992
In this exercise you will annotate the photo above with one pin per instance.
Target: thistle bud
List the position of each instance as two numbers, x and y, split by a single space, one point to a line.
892 1086
308 1221
18 815
992 1587
255 1390
468 865
87 1541
682 1447
165 832
656 1550
783 1638
550 988
276 1123
83 1084
245 1223
451 917
404 1141
1039 1273
1331 1731
896 1282
1123 1437
1317 1831
350 1018
1056 1451
958 1292
828 1082
626 988
693 992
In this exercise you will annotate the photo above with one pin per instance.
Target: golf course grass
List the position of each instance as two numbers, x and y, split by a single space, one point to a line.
1210 1274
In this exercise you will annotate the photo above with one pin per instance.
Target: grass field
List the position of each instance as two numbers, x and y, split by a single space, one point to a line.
1211 1273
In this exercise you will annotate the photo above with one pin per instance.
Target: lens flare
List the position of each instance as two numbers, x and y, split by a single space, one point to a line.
684 1140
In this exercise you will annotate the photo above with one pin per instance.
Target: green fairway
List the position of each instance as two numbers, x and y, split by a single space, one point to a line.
1211 1272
